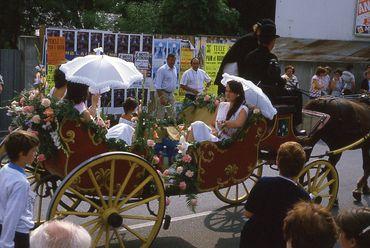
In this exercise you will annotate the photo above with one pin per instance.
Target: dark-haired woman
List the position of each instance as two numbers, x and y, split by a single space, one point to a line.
129 107
77 94
354 228
59 91
230 116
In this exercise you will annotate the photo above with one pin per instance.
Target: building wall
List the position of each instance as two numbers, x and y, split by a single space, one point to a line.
317 19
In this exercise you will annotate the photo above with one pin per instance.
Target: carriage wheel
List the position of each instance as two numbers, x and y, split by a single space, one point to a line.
320 179
116 211
239 193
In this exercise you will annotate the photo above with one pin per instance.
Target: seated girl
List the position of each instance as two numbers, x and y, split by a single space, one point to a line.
59 91
128 116
229 116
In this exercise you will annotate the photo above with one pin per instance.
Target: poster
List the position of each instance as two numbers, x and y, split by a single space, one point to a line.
50 77
55 50
122 43
119 98
53 32
105 99
161 49
109 44
69 44
82 43
147 43
362 21
126 57
134 43
95 41
214 54
142 60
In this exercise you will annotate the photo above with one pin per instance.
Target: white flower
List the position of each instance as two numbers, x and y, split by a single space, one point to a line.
256 111
189 173
45 102
179 170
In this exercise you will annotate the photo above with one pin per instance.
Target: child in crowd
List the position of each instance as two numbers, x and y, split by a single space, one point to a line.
271 198
309 225
354 228
16 198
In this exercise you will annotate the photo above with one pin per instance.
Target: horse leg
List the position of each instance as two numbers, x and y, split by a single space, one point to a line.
333 160
362 183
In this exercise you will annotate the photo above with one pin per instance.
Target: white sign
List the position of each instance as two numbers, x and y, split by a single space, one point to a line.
362 18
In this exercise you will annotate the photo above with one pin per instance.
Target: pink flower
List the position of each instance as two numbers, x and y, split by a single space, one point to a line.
10 129
22 101
179 170
193 202
166 173
31 97
150 143
107 123
207 98
28 109
155 159
217 102
100 122
45 102
36 119
168 201
189 173
186 158
182 185
41 157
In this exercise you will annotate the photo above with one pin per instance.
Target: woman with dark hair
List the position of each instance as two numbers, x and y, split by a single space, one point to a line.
336 84
317 84
60 89
354 228
77 94
129 107
230 116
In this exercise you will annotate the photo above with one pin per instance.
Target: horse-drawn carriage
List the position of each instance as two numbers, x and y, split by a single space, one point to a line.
108 192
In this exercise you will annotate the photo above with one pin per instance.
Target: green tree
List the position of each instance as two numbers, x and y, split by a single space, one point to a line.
199 17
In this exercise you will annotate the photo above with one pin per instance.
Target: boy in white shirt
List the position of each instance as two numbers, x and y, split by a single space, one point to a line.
16 197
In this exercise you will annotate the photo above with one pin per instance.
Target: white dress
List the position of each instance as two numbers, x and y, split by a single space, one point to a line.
123 120
202 132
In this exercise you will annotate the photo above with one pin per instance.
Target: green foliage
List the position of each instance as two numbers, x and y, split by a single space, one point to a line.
198 17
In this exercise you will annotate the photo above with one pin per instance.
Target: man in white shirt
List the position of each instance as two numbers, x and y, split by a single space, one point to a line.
193 79
165 84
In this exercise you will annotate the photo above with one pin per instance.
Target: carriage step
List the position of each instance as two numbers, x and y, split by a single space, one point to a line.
167 222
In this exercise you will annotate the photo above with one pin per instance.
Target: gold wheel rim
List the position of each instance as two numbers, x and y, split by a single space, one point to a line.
238 193
314 179
97 225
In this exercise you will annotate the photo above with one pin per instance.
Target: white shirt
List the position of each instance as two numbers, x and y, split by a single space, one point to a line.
194 79
16 204
223 108
166 79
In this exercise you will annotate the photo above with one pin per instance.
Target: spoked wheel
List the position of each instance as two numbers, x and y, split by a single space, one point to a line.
320 180
109 195
239 193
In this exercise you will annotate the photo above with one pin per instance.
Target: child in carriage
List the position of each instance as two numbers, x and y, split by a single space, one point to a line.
271 198
16 198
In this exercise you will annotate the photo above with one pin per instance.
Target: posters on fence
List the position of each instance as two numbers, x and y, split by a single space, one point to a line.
214 54
362 21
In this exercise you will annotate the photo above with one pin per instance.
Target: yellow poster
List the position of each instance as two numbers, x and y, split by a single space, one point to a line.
186 56
50 77
213 57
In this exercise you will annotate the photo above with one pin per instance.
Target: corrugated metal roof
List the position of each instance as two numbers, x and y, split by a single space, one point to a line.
290 49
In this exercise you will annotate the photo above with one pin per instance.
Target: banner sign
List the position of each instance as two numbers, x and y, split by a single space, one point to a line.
362 21
186 56
56 50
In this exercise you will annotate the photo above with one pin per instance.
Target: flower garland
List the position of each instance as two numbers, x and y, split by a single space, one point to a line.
209 101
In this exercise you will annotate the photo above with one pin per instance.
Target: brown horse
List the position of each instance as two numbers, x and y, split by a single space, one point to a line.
349 121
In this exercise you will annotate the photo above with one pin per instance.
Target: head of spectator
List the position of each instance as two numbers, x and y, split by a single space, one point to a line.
76 92
21 147
60 234
337 73
171 59
309 225
235 95
349 67
354 226
130 105
320 71
327 70
258 25
289 70
194 63
290 159
59 78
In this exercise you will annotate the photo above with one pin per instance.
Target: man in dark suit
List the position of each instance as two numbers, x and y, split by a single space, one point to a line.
237 52
262 68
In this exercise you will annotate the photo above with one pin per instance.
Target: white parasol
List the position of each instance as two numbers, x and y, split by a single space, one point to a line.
101 72
253 95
